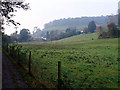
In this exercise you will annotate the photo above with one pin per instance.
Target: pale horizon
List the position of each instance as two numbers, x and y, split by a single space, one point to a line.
45 11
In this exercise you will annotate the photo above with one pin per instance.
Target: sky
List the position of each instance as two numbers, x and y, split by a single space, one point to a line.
44 11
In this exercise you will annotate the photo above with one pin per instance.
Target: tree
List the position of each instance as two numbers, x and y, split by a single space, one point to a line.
68 30
74 31
47 35
37 32
112 29
14 36
24 35
6 39
85 30
91 26
7 8
51 35
112 32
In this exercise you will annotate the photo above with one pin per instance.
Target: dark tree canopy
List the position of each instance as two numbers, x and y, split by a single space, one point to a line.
85 30
91 26
68 30
24 35
112 29
6 39
7 8
47 35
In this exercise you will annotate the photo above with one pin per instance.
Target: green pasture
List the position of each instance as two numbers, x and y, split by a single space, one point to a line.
85 63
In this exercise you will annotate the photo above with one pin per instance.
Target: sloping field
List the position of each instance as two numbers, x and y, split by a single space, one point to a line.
85 62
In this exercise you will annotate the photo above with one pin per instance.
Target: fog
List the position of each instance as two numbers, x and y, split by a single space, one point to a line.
44 11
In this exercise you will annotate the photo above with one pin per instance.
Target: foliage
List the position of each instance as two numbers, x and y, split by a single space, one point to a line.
91 27
85 30
69 32
47 35
19 53
7 8
79 23
14 36
24 35
37 32
6 39
113 31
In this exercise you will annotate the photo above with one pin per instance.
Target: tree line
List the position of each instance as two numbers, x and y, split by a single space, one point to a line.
23 36
83 21
53 35
113 31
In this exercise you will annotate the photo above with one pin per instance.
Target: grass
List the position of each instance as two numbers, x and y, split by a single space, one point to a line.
86 63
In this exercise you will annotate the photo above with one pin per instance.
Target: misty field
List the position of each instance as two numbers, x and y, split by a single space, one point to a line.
85 62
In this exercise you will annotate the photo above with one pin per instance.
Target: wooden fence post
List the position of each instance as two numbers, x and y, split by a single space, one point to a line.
29 66
12 51
7 47
59 75
18 56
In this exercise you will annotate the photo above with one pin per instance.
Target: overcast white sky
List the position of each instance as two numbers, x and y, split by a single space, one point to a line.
44 11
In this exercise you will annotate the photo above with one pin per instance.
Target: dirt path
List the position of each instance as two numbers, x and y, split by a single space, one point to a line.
10 75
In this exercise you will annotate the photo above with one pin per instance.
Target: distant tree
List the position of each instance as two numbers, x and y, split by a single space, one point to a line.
7 7
51 35
85 30
99 28
112 32
24 35
112 29
56 32
78 32
47 35
37 32
6 39
14 36
91 26
74 31
68 30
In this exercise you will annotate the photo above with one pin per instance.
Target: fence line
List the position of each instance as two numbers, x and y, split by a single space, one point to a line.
59 74
16 54
29 66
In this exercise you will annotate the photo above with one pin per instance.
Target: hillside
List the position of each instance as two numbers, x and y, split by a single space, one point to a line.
85 63
78 23
81 37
